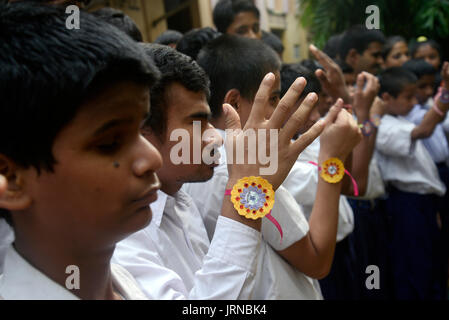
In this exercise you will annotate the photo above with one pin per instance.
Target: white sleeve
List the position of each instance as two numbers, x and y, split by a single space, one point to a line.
394 138
6 238
302 183
227 272
290 217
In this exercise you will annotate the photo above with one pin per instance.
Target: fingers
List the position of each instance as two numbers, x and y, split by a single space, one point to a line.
307 138
333 112
257 114
360 83
232 119
322 58
287 103
321 75
3 184
300 117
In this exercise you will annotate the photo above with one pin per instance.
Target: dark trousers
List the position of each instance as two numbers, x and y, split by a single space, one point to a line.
370 238
443 209
414 245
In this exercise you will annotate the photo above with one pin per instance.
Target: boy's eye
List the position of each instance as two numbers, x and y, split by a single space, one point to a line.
109 146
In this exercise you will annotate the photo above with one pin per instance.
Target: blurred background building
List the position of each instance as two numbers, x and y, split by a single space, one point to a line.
155 16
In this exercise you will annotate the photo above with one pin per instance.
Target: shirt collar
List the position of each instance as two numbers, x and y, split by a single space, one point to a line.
158 207
22 281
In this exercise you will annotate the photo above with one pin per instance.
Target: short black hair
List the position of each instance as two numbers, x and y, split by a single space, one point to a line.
311 64
290 72
119 19
169 37
332 47
394 80
47 71
359 38
420 67
175 67
234 62
194 40
226 10
390 43
418 44
273 41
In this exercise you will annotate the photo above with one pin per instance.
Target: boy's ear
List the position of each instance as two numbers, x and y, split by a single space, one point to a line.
352 57
233 97
14 198
386 97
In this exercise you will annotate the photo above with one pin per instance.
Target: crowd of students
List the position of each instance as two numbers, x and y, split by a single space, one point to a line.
87 176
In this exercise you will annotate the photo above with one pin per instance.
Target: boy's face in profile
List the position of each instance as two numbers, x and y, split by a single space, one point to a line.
246 24
186 112
371 60
404 102
425 87
104 177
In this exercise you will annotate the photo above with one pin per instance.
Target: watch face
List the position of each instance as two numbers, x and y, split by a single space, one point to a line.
445 96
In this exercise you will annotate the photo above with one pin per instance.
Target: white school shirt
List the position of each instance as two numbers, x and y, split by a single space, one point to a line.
275 278
172 257
404 163
302 182
22 281
436 144
6 238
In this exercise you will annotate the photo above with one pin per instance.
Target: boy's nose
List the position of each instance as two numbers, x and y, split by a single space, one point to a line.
148 160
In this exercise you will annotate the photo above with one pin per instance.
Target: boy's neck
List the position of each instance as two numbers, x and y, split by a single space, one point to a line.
53 256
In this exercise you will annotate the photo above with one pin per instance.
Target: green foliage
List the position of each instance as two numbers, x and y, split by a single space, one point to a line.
409 18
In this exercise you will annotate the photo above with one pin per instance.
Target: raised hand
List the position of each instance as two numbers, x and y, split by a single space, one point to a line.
332 79
341 134
445 74
3 184
280 140
367 88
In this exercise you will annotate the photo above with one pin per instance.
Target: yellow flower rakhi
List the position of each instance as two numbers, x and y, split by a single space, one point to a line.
332 170
253 198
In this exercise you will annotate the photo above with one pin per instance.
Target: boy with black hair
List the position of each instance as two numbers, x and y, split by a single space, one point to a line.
362 49
173 257
238 17
413 182
194 40
169 38
119 19
307 249
80 175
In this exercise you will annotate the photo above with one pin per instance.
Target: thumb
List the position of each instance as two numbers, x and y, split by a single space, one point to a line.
360 82
333 112
232 120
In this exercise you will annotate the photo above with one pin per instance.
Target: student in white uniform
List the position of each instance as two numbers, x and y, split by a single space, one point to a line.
80 176
438 148
344 281
184 265
230 62
413 180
